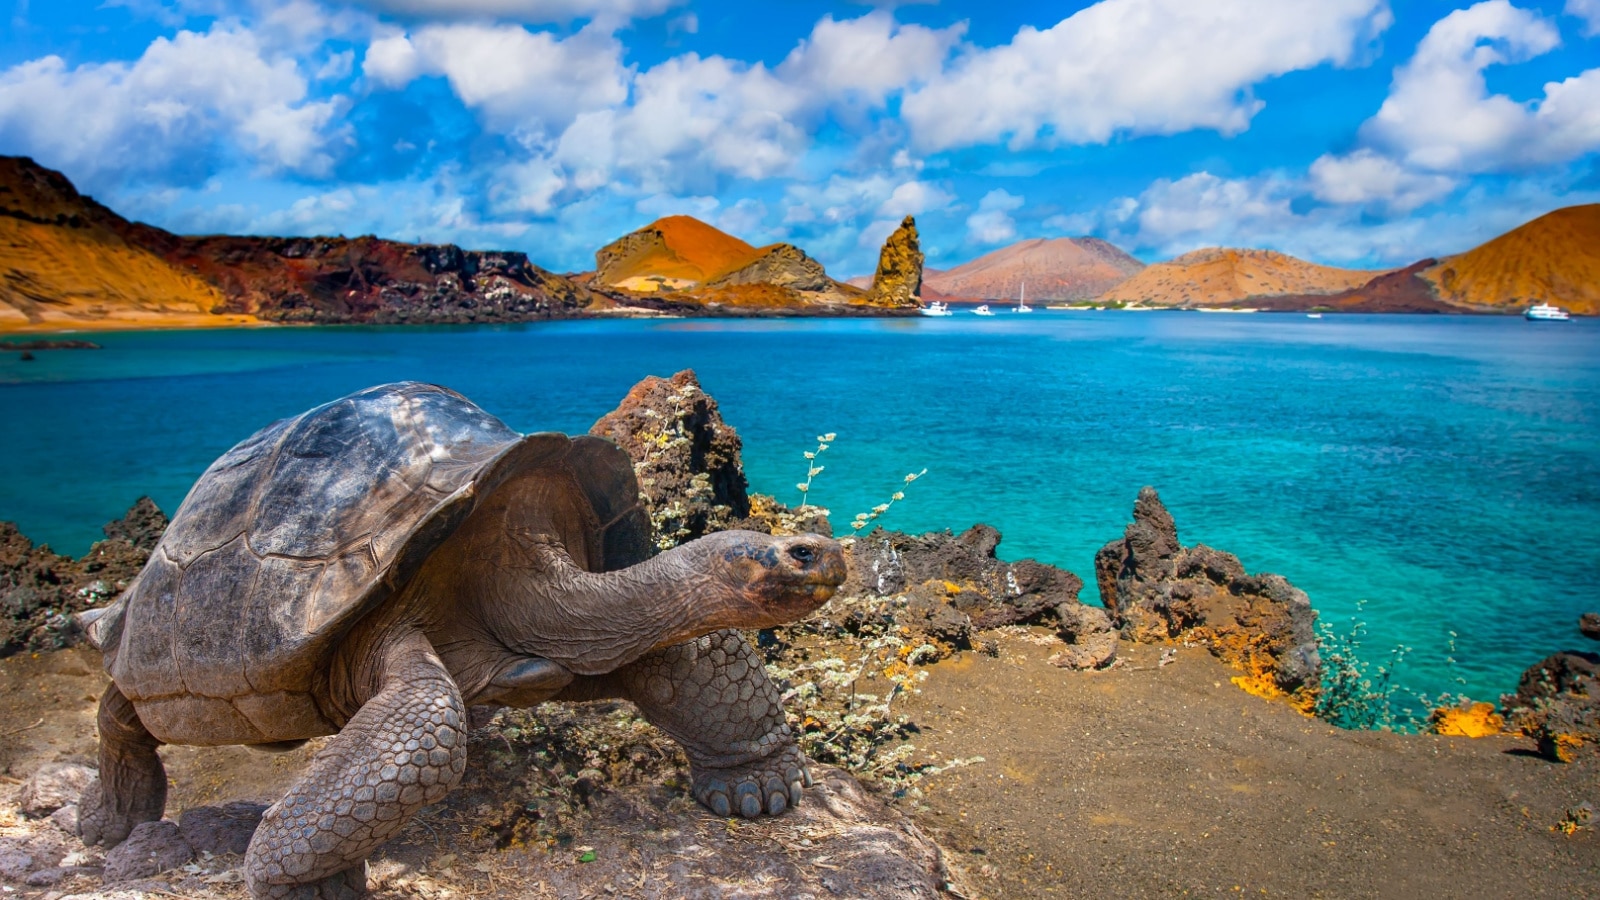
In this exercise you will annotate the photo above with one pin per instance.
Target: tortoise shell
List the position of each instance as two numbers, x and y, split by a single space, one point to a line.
301 529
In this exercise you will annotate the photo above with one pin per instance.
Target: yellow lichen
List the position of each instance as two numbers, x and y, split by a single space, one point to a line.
1473 720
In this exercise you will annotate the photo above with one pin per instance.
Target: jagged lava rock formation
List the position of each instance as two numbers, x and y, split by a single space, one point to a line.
1156 589
1224 276
686 457
950 587
40 590
1558 699
898 281
67 261
1058 269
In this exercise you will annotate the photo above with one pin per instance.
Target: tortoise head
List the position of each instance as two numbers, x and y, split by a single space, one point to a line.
771 580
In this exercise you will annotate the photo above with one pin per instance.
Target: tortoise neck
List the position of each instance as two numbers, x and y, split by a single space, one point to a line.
594 622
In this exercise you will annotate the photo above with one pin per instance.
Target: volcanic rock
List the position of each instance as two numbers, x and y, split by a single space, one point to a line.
686 457
964 570
1156 589
1091 641
53 786
151 847
898 281
1589 626
224 829
40 590
783 265
1558 703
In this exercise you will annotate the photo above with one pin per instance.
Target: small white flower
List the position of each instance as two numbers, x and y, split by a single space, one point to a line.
803 487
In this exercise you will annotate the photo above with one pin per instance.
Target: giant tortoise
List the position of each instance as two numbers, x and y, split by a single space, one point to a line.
373 567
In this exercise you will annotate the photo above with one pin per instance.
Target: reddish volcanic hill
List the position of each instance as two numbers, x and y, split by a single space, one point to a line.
699 264
1554 259
1055 269
1221 276
677 248
69 262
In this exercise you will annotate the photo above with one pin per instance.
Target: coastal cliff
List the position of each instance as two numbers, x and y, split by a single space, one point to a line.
67 261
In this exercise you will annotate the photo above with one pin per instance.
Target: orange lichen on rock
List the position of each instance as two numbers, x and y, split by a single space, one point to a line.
1473 720
1561 746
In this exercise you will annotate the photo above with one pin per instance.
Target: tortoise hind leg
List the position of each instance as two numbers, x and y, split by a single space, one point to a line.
132 785
405 748
713 697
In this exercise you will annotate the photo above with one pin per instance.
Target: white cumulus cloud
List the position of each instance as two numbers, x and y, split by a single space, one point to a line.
1368 177
1440 116
530 11
172 108
1135 67
1588 11
868 57
521 80
992 223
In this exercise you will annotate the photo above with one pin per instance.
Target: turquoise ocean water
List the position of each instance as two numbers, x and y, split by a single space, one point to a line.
1445 471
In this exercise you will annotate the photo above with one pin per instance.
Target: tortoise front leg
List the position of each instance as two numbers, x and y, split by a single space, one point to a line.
132 786
405 748
713 697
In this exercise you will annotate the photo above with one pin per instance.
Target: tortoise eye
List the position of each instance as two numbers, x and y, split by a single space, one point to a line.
803 554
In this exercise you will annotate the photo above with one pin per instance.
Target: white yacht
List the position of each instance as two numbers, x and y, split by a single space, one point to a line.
1022 300
935 308
1544 312
983 310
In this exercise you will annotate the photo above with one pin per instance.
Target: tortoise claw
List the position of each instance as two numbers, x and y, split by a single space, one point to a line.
764 787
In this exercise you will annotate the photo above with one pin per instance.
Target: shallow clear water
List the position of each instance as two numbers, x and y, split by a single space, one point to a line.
1445 470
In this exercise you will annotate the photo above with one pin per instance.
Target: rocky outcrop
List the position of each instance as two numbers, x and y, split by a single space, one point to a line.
1589 626
1558 699
40 589
950 587
783 265
1156 589
686 457
898 281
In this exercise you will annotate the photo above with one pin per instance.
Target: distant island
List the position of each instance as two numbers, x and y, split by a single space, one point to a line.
68 262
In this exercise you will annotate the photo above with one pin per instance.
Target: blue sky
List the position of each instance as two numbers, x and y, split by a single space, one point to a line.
1350 132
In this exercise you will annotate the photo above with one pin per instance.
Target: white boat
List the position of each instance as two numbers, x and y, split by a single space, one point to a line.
983 310
1313 315
1022 300
935 308
1544 312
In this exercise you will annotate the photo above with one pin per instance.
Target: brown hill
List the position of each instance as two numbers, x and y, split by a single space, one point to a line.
1059 269
696 264
1220 276
677 248
1400 291
67 261
1554 259
64 262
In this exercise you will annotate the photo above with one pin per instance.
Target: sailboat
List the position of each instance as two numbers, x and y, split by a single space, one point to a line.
1022 300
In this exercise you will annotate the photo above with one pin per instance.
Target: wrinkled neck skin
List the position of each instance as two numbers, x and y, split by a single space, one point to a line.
540 603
